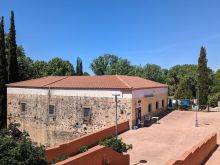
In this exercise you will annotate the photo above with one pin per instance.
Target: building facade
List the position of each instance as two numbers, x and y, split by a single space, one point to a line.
56 109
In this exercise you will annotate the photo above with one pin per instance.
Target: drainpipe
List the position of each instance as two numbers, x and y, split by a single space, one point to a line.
116 114
49 95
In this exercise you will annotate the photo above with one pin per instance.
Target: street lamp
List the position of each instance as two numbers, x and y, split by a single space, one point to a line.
196 121
116 114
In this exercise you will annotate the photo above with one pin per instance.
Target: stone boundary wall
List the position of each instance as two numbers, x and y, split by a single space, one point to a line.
198 153
98 155
90 140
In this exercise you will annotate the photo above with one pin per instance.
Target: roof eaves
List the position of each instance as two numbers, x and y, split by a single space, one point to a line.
150 87
70 88
14 83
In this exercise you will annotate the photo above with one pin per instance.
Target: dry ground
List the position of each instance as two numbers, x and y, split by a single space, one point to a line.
175 134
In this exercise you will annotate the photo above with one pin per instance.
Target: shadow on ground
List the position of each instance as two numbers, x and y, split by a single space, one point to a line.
141 162
211 154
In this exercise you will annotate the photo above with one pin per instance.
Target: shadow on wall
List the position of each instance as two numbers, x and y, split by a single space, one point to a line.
197 154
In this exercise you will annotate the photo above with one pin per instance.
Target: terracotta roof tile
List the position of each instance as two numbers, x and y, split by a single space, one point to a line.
138 83
39 82
89 82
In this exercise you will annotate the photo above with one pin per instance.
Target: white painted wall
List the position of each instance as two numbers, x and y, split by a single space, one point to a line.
87 93
142 92
70 92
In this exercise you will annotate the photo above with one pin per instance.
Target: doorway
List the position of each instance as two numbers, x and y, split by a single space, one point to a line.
149 108
138 114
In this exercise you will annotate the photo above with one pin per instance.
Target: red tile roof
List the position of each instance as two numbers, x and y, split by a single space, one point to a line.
89 82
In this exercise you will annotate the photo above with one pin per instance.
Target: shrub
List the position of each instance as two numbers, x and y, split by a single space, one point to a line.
60 158
83 149
116 144
213 99
17 148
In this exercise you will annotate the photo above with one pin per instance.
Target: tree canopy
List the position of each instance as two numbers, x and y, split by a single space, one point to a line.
182 72
59 67
216 82
3 76
103 64
214 95
109 64
79 67
12 53
203 77
40 69
183 90
153 72
26 68
17 148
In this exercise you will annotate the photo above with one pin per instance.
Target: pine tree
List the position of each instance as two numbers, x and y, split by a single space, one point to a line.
203 81
12 55
3 77
79 67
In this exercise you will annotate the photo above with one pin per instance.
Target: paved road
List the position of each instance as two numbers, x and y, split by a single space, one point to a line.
175 134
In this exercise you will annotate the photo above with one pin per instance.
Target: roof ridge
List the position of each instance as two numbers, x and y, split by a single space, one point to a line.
65 77
123 81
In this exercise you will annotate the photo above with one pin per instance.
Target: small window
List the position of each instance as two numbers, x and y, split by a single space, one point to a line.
157 105
51 110
86 112
149 107
163 103
23 108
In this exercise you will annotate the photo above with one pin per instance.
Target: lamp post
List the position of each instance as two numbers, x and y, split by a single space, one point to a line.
196 121
116 114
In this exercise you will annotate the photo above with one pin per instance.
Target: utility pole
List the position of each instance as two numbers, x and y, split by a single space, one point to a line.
196 122
116 68
116 114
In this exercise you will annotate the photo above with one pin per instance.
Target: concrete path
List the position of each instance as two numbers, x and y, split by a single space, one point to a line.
175 134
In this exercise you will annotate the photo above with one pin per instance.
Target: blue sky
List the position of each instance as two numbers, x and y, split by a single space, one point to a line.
163 32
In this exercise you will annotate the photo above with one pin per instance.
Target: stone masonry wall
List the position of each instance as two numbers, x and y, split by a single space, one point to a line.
68 122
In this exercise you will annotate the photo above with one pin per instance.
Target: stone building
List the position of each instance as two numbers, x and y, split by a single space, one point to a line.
57 108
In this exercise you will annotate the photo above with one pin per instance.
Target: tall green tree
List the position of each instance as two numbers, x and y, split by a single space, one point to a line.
216 82
103 64
79 67
25 65
12 53
121 67
214 96
59 67
110 64
183 90
40 69
3 77
55 67
153 72
178 73
203 77
136 70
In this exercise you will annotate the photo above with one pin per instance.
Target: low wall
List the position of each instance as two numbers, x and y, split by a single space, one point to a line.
98 155
197 154
90 140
